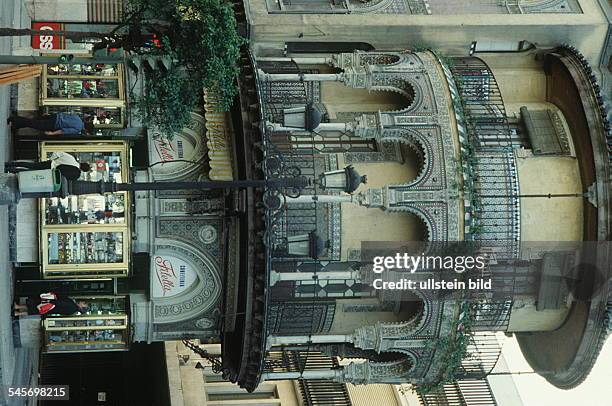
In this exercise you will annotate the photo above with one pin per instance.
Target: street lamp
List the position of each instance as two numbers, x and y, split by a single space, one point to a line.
306 117
306 245
346 180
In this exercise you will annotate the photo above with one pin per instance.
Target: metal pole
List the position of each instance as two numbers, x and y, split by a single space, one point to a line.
511 373
101 187
550 195
71 35
276 341
50 60
308 374
322 199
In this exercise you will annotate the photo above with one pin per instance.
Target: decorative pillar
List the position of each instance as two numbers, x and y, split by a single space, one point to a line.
298 60
309 276
322 127
331 374
345 198
277 341
372 198
339 127
301 77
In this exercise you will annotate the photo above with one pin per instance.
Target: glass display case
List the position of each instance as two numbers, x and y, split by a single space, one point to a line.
87 236
82 88
94 91
91 209
85 247
103 326
93 69
108 117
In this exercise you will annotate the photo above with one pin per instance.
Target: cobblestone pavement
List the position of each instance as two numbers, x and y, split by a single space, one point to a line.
16 364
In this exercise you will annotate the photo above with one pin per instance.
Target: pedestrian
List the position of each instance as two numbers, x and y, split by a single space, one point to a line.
51 304
53 124
67 164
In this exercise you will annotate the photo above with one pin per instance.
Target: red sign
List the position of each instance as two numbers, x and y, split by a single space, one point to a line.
47 41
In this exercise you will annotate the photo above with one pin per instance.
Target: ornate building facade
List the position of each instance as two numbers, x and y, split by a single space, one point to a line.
484 149
499 149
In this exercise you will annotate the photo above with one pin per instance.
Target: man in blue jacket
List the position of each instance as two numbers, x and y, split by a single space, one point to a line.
53 124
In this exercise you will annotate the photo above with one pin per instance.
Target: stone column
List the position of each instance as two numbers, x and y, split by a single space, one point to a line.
340 127
309 276
276 341
331 374
301 77
298 60
322 127
322 199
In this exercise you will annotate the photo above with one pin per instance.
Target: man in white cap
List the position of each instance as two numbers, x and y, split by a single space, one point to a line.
67 164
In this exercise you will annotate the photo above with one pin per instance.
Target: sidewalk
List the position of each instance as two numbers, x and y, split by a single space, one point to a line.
17 365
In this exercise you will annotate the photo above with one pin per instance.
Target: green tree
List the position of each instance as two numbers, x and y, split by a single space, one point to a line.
200 37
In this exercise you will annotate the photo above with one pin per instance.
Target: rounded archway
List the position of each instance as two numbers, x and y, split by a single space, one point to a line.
344 102
365 224
411 307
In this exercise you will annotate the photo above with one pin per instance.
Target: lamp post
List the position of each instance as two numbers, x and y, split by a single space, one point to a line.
79 187
346 180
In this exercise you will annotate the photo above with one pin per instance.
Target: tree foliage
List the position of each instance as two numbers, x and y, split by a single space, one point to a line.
201 37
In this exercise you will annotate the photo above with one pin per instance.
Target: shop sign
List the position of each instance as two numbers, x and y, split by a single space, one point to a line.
49 41
180 153
171 276
180 148
168 150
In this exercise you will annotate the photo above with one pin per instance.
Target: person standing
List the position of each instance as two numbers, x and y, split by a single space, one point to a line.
67 164
53 124
51 303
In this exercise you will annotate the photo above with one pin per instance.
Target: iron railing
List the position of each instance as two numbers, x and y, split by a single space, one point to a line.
321 392
297 361
492 315
472 392
483 352
314 392
483 105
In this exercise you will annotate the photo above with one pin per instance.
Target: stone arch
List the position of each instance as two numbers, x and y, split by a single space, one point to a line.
411 90
411 327
413 308
373 58
370 6
172 259
342 98
417 141
423 216
322 6
544 6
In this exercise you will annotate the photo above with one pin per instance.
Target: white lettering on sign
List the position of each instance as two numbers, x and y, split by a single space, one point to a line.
171 276
46 41
47 37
